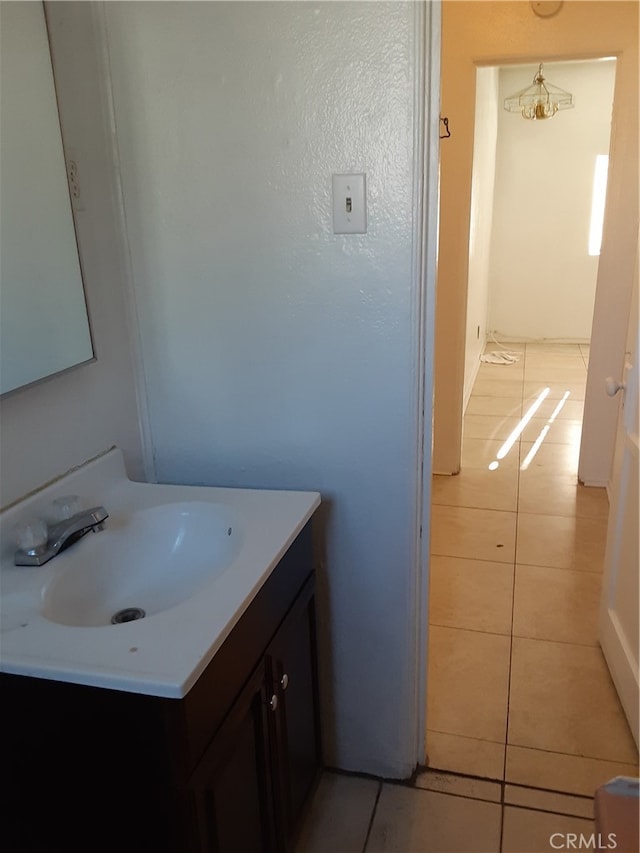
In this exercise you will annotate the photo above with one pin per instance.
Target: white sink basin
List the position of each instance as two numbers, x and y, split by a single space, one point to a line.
142 563
191 557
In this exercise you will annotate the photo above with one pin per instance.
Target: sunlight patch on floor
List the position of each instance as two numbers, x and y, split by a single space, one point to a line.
515 435
543 433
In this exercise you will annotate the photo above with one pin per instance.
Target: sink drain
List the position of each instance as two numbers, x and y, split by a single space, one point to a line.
129 614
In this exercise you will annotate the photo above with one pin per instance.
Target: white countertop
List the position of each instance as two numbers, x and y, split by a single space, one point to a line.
162 654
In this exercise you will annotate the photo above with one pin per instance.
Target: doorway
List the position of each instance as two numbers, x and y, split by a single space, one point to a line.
491 635
537 204
494 33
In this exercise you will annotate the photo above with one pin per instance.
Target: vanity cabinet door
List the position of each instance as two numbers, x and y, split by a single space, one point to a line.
231 788
292 659
248 790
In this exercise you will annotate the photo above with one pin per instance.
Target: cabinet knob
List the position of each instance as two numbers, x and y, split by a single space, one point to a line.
284 681
273 702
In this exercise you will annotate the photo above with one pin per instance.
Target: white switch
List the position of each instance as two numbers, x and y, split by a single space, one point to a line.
349 204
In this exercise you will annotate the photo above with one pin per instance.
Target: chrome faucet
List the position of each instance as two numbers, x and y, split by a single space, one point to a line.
61 535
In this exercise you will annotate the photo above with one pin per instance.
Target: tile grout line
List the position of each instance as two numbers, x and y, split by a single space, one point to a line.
458 796
371 819
545 811
503 785
513 599
474 778
406 783
555 752
502 802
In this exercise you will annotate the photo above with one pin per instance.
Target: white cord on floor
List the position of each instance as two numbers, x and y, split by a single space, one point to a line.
506 357
499 358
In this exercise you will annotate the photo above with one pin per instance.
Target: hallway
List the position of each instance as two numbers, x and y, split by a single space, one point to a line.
518 688
524 722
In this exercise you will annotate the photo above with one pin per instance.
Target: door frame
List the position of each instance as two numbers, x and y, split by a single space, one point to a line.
606 326
426 217
614 628
560 40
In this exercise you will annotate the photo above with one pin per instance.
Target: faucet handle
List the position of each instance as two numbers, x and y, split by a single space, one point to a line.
65 507
100 515
31 535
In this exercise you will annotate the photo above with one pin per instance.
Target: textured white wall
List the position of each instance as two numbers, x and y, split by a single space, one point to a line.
543 280
278 354
50 427
481 221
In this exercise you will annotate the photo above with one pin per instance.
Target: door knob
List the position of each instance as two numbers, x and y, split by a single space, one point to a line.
284 681
273 702
613 386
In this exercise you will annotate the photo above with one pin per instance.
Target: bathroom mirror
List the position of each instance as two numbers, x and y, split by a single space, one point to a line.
44 327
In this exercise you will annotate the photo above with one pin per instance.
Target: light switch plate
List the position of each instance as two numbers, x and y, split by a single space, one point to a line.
349 204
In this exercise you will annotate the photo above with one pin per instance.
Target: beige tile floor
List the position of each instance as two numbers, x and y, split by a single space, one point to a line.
439 813
524 723
518 689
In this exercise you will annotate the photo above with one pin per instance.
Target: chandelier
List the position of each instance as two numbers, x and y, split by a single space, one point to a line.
540 100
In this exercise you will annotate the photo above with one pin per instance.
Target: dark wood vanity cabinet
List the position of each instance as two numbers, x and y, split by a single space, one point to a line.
252 782
232 791
296 735
227 769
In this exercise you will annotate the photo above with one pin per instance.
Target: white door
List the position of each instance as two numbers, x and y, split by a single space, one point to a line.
620 601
